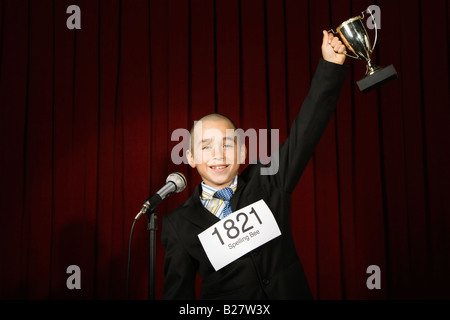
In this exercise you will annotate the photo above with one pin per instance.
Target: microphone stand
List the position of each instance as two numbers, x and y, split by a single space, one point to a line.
152 226
148 208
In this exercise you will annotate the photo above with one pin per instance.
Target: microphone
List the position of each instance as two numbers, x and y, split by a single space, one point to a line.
175 182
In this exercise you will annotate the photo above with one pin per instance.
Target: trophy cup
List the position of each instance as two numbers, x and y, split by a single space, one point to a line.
355 37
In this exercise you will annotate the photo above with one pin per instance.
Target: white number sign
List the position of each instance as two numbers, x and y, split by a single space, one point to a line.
239 233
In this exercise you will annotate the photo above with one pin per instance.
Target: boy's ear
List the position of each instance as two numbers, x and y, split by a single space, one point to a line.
190 158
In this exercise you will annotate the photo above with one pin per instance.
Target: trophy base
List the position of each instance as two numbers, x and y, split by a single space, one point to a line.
379 77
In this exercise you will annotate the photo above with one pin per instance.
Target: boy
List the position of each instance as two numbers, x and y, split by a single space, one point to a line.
273 270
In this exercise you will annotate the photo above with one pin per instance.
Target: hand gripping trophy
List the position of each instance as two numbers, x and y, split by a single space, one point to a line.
355 37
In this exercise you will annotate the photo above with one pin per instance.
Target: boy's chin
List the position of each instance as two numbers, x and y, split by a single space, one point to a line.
215 181
218 182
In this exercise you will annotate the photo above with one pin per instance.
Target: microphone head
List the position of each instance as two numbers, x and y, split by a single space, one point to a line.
178 179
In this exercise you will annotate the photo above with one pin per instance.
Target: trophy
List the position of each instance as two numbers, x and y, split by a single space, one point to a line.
355 37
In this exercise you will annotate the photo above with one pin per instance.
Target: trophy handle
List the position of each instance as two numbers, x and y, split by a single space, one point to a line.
376 28
337 34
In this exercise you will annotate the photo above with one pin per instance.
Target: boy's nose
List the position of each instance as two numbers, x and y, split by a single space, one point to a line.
217 151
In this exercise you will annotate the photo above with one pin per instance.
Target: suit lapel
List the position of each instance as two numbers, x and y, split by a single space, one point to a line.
236 199
196 213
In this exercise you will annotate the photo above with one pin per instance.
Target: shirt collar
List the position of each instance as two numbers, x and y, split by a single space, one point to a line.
208 191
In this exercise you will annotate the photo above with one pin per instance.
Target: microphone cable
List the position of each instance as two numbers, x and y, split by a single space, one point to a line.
129 259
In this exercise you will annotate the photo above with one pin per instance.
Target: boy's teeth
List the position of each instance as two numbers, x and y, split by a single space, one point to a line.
219 167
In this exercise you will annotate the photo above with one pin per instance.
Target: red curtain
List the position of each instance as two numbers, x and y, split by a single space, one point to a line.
86 118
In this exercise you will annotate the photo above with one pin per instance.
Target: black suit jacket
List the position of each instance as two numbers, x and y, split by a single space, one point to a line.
272 271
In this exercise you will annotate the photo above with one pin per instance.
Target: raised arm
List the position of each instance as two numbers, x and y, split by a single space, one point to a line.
314 114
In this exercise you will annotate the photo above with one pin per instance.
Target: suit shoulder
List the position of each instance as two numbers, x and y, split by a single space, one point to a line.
176 213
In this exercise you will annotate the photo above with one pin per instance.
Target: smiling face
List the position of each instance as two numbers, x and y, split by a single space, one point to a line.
215 151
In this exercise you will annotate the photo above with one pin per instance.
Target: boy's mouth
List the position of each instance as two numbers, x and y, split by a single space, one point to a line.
218 168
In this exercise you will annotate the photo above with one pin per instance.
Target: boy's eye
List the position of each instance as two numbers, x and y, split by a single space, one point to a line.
206 147
228 146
